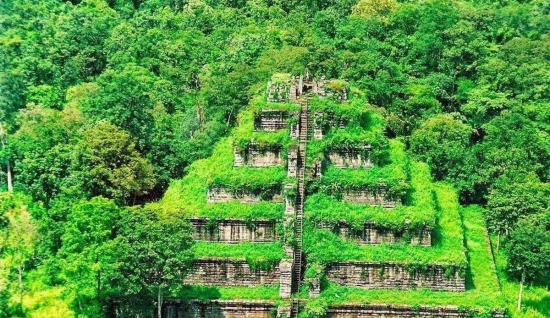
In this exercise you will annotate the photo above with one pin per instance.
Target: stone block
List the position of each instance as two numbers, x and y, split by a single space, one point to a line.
285 268
230 273
350 158
371 275
234 231
257 156
220 195
218 309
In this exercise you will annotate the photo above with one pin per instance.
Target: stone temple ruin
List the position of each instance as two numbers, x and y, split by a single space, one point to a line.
291 88
288 273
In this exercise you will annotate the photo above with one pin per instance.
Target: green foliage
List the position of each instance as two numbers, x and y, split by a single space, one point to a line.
108 164
513 197
483 293
535 297
324 246
154 254
258 256
205 293
392 175
188 197
529 248
442 140
418 212
173 77
88 254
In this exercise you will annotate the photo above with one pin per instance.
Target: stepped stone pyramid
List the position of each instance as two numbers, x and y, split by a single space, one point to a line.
306 197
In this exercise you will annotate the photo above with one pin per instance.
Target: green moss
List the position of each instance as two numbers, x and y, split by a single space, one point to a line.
257 255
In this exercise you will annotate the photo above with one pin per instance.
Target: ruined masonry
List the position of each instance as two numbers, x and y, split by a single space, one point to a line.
289 273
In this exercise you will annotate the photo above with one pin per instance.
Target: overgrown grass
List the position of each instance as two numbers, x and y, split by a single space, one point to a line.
354 112
244 133
322 246
258 256
206 293
393 175
363 126
418 212
188 197
483 293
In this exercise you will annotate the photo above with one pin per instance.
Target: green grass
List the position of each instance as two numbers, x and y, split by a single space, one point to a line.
206 293
322 246
418 212
483 291
364 126
244 133
263 255
188 197
393 175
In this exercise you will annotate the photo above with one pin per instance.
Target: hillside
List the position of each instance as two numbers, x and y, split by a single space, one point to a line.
261 158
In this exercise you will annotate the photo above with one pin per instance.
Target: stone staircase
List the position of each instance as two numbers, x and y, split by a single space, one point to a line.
302 140
294 308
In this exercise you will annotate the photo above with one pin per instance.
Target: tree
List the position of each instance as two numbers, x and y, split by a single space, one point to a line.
513 197
42 149
87 255
108 164
529 250
18 241
154 254
442 142
375 8
4 143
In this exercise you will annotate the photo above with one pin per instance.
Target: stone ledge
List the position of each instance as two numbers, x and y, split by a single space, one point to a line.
230 273
220 195
257 156
355 158
399 311
271 120
373 234
218 309
374 275
372 198
234 231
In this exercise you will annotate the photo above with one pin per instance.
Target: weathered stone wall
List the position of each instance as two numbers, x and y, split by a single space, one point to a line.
285 269
219 309
350 158
370 275
373 198
393 311
271 120
219 195
258 157
373 234
266 309
234 231
230 273
292 161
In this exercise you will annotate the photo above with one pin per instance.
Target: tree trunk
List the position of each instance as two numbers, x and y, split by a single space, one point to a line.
20 277
159 302
98 286
521 288
498 240
8 172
